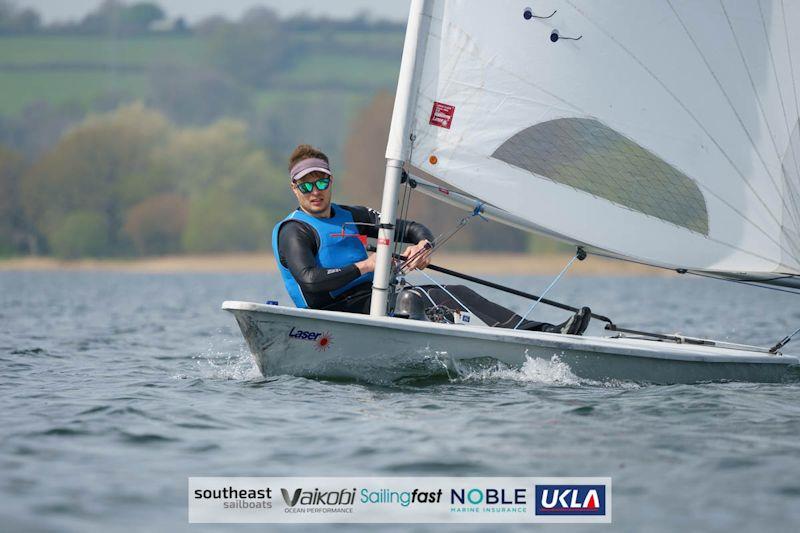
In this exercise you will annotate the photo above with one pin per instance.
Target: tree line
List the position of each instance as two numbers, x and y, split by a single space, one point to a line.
133 19
137 18
240 62
130 182
196 164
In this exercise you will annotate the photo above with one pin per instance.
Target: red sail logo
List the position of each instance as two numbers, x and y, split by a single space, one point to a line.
442 115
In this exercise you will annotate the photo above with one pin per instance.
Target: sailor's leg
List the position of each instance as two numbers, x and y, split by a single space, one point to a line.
489 312
574 325
356 301
498 316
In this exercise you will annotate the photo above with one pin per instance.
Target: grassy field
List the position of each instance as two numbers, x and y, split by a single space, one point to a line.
341 69
47 50
78 69
350 100
20 89
371 40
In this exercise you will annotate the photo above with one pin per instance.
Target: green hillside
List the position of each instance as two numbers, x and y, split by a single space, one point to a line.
77 70
45 51
20 89
172 143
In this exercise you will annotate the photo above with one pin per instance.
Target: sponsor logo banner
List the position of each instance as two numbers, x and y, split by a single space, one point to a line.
399 500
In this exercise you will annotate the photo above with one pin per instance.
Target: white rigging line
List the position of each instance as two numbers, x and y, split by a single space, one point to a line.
789 130
699 124
794 213
791 63
728 98
450 294
738 118
552 284
791 71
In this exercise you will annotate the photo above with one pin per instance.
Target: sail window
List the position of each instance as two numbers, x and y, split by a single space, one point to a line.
589 156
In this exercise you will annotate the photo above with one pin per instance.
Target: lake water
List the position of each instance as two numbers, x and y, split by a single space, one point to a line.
115 388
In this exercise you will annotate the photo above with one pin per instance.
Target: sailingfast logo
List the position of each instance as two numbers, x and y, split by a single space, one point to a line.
570 500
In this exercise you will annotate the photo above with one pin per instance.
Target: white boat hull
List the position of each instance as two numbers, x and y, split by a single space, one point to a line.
334 345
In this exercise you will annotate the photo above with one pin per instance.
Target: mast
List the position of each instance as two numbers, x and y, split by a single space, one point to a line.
395 155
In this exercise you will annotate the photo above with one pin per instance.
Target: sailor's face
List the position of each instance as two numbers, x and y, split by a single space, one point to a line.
316 202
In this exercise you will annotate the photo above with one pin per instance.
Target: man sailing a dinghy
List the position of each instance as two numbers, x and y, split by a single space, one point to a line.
321 254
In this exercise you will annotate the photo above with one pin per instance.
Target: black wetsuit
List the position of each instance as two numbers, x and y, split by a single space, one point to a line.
298 245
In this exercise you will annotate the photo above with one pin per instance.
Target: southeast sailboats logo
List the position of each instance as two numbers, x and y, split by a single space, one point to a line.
322 340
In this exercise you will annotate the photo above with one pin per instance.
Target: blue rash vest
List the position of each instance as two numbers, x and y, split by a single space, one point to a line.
335 251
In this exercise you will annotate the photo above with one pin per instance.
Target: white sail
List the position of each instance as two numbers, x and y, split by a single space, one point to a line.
667 134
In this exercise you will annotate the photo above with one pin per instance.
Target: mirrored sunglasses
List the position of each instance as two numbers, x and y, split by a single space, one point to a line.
307 186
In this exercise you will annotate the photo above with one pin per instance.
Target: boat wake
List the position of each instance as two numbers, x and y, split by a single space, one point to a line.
551 371
228 365
534 370
238 364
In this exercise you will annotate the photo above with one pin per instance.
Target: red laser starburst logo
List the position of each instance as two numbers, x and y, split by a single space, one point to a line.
324 342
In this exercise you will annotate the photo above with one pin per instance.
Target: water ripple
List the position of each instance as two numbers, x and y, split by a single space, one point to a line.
108 409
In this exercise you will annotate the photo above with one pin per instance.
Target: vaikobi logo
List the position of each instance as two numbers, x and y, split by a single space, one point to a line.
319 501
570 500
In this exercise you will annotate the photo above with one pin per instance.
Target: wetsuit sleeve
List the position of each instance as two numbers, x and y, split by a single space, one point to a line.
412 232
297 247
407 231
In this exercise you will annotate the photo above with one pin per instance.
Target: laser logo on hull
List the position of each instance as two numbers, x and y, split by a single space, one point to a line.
323 340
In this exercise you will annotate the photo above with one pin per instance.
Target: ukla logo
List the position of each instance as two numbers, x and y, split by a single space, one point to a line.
570 500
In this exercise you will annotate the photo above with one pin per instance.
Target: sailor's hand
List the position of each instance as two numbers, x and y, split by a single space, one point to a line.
420 254
367 265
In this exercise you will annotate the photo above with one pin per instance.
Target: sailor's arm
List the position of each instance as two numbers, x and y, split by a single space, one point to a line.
367 265
421 239
297 247
406 231
412 232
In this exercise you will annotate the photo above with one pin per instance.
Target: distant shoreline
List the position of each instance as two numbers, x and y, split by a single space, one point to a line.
474 263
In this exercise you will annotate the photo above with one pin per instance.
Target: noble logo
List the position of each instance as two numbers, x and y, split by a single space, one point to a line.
570 500
487 496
